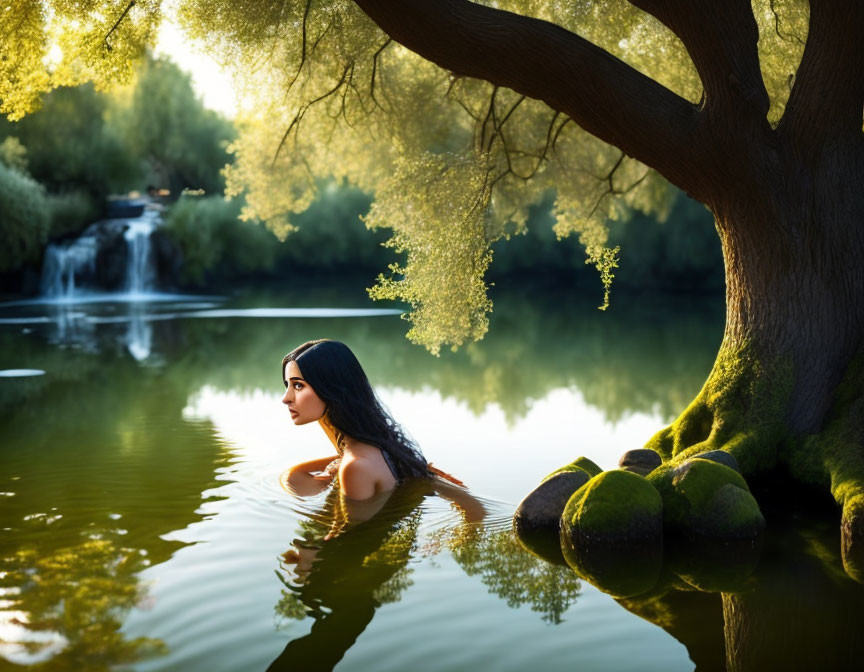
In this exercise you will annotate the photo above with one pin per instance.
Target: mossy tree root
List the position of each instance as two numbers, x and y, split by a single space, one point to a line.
740 410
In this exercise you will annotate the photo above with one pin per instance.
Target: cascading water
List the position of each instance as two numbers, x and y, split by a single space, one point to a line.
63 262
71 267
139 266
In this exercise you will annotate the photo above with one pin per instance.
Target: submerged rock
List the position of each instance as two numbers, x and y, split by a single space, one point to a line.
640 461
704 497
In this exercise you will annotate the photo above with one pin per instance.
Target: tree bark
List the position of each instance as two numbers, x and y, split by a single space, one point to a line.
794 256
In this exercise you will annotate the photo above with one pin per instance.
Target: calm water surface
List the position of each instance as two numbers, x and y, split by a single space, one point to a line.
143 525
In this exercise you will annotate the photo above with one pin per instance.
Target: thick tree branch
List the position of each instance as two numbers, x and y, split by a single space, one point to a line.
605 96
827 97
721 38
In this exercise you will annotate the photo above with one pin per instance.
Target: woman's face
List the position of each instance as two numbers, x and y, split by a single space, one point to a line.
304 405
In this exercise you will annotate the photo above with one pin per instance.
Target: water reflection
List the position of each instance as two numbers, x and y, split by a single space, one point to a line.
784 603
68 606
648 359
493 553
339 574
341 569
99 451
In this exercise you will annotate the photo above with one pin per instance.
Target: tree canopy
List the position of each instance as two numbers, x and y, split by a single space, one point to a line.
454 161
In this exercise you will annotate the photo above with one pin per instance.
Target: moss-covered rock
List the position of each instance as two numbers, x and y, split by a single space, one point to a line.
612 533
579 464
705 498
613 507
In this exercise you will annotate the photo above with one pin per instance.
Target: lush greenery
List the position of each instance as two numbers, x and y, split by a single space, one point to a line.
447 159
61 162
24 224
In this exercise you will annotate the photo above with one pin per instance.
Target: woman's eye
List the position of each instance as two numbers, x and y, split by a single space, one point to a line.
298 386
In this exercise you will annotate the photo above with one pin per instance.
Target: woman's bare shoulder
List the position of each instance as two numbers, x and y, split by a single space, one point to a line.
358 477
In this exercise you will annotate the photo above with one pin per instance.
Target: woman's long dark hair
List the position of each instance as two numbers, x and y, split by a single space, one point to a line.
353 408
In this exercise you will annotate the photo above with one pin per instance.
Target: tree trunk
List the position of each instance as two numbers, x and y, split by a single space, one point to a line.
787 388
794 259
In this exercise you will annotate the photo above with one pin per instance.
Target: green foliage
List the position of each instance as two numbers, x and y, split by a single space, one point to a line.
330 96
678 251
70 212
212 238
331 234
24 222
83 144
71 148
66 43
442 230
164 122
13 154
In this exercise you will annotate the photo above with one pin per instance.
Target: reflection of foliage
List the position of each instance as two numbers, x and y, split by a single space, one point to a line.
642 358
81 593
365 562
290 606
509 571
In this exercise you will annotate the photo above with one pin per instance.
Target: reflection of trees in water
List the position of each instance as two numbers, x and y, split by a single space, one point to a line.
637 357
97 445
75 599
340 581
797 611
508 570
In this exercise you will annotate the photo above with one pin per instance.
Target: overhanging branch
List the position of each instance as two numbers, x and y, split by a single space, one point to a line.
721 38
538 59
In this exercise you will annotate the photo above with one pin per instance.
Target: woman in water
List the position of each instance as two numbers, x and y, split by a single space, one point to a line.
325 383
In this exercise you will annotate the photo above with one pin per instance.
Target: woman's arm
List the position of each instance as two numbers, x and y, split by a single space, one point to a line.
310 477
472 508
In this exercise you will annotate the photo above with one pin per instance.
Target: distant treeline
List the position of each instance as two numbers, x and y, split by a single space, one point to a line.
58 166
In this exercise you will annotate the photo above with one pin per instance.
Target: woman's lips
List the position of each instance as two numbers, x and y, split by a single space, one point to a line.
293 413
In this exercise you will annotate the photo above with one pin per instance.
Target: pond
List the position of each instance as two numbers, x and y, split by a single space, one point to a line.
144 527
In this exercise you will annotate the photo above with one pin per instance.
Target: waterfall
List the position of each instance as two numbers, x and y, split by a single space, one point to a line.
72 264
63 262
139 265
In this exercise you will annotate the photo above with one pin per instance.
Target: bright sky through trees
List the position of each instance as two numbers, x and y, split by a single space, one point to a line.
212 83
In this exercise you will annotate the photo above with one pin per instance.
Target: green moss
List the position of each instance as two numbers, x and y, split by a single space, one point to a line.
740 409
703 497
579 464
614 505
834 458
